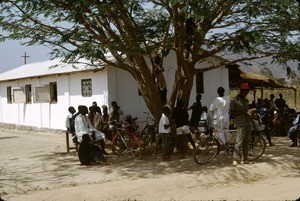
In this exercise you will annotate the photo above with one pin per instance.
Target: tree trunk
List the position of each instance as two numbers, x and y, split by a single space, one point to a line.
186 90
148 87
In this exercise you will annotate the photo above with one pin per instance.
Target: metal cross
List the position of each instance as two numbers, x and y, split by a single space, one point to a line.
25 57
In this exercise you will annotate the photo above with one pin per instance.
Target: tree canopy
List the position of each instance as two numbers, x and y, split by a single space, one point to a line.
140 29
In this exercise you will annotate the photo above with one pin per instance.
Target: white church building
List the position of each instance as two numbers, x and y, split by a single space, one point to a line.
38 95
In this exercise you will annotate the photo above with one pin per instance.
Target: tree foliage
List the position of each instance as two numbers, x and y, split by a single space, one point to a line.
267 72
133 29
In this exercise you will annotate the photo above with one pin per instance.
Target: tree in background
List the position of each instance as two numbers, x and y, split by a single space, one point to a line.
140 29
267 72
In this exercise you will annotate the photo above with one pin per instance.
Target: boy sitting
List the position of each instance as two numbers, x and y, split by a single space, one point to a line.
88 151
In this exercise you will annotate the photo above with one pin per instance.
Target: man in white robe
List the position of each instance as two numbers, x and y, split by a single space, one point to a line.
84 126
220 111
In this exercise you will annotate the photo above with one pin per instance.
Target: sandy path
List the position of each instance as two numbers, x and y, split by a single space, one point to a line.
35 166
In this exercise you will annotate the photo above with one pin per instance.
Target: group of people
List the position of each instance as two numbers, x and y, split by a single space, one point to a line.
90 128
178 118
278 118
246 120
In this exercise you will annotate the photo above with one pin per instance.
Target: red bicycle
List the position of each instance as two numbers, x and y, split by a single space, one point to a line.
125 141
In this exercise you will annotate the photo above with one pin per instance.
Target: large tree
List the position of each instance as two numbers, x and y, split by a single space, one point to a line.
140 29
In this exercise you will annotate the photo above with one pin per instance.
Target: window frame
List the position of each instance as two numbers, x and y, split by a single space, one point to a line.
53 92
16 96
9 94
28 93
44 92
86 87
199 83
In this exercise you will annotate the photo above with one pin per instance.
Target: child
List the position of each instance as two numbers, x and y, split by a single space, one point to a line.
69 124
87 151
164 131
181 120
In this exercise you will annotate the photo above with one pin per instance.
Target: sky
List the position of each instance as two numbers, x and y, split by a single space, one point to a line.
11 53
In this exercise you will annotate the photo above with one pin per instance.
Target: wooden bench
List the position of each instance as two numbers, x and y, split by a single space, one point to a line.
68 142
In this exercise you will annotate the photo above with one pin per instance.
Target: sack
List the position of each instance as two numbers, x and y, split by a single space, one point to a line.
257 126
202 126
292 131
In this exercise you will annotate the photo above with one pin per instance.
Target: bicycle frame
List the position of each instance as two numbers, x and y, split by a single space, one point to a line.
126 143
209 147
148 134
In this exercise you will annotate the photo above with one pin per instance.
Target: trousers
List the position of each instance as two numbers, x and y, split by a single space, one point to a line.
243 137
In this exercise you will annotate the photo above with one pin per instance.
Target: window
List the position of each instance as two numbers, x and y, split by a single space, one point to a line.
86 87
42 94
53 92
9 98
18 95
199 83
28 93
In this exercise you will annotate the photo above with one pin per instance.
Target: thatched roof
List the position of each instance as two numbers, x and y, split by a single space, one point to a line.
237 76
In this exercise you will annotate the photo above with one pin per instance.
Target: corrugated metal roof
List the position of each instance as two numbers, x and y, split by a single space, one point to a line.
46 68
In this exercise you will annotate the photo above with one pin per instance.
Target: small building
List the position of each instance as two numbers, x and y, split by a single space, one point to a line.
39 94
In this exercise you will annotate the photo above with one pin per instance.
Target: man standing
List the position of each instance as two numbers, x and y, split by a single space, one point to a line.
220 111
181 117
196 113
238 108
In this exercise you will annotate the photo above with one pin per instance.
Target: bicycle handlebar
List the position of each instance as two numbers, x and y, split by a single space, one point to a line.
149 117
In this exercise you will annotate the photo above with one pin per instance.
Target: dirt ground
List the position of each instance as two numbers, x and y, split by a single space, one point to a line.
35 166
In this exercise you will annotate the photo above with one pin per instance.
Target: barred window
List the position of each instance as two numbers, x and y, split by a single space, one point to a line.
86 87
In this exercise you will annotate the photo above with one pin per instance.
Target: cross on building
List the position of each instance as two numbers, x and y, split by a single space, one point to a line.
25 57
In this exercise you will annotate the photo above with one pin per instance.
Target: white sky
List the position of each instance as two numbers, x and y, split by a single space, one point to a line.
11 53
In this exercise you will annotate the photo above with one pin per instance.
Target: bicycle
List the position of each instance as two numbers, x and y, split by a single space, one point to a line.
125 141
149 135
209 147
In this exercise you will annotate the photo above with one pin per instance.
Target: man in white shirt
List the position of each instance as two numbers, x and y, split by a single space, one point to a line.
84 126
220 111
164 130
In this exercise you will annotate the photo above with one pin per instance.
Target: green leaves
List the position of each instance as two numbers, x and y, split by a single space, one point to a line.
149 26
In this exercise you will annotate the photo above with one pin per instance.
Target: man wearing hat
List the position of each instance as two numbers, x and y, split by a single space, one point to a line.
238 108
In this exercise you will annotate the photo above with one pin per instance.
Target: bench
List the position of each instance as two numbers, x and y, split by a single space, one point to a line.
68 142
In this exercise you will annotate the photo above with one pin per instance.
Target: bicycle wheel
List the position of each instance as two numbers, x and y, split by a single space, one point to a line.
119 145
257 147
135 147
207 150
147 136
